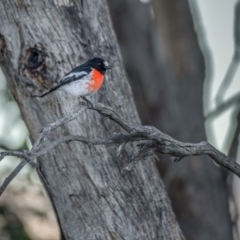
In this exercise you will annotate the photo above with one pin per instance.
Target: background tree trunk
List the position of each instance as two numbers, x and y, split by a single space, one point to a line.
166 69
93 197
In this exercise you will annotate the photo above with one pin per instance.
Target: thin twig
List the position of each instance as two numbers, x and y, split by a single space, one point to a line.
228 79
120 138
146 150
168 145
232 101
47 129
154 141
12 175
31 155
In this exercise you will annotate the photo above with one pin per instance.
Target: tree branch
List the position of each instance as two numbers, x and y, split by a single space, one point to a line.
118 139
11 176
233 101
153 140
47 129
168 145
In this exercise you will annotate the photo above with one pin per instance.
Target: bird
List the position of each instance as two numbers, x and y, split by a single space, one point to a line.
84 79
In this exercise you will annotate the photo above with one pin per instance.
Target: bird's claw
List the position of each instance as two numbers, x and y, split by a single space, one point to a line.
89 104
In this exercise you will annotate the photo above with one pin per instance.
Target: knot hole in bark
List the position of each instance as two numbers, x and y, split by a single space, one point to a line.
35 60
35 70
35 65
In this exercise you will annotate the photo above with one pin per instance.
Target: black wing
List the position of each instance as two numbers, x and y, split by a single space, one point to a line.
76 74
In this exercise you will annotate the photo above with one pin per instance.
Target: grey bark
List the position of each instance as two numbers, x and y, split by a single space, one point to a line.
92 196
166 69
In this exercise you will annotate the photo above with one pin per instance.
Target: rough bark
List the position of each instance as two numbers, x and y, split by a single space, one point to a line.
92 196
166 69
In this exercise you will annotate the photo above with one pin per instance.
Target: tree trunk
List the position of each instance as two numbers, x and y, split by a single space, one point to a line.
92 196
166 69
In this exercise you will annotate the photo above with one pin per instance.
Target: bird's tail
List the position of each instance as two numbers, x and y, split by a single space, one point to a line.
45 94
51 90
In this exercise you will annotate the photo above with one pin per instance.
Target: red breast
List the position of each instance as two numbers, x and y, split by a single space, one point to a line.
97 80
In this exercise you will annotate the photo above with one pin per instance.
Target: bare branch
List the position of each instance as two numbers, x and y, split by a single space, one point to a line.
120 138
225 84
180 151
12 175
47 129
108 112
154 141
31 155
15 154
168 145
231 71
234 100
145 150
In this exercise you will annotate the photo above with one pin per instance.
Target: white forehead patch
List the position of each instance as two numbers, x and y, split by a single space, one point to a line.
105 63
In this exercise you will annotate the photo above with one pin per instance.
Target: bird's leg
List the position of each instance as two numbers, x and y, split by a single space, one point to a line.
89 104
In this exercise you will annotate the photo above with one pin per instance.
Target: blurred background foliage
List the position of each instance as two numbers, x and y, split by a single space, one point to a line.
25 211
182 60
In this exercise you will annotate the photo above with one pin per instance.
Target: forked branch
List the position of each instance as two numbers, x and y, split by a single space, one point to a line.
150 140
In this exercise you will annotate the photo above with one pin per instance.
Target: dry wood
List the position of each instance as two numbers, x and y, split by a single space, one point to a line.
154 141
40 40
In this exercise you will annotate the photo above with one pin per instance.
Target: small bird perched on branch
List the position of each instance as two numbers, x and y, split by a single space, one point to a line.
84 79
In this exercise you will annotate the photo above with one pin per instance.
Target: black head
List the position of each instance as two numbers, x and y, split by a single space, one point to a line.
98 63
